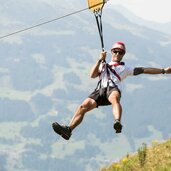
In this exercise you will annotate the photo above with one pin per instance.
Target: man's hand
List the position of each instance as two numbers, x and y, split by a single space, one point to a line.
102 56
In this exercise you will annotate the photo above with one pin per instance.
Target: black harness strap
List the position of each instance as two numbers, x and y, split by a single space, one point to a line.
100 78
108 76
106 68
98 16
113 71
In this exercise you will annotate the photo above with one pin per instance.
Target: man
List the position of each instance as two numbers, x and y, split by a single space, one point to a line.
108 91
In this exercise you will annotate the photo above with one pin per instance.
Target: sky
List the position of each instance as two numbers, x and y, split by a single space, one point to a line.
154 10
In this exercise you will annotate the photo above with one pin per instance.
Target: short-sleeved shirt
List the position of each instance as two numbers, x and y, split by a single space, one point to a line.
121 70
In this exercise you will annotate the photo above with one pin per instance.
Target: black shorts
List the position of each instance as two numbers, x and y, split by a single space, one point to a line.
101 95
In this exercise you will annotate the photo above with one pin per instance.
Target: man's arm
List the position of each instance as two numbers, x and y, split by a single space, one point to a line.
95 69
141 70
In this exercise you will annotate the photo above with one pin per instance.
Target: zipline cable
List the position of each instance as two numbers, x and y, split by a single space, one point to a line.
46 22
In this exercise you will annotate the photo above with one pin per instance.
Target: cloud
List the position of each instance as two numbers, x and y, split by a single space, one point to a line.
157 78
13 40
7 27
39 58
43 32
130 56
132 87
4 21
152 10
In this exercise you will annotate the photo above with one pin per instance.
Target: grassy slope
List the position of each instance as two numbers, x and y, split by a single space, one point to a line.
155 158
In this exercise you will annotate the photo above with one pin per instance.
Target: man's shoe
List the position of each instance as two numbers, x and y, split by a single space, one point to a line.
62 130
117 126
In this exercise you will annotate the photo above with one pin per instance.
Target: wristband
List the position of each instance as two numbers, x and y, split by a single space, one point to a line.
163 71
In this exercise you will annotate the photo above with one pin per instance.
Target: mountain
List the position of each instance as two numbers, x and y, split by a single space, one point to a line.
45 76
156 157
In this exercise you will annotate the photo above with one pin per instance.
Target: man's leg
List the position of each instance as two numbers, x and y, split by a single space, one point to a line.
66 131
86 106
114 99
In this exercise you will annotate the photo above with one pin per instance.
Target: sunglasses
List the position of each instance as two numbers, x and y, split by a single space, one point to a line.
118 52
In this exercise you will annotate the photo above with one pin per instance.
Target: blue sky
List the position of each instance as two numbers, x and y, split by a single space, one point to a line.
154 10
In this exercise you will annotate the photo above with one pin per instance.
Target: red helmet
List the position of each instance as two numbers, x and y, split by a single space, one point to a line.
119 45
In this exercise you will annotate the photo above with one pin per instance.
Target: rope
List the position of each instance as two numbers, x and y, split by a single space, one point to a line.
98 16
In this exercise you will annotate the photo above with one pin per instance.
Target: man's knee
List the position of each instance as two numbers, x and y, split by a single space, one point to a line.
83 107
114 97
87 105
115 100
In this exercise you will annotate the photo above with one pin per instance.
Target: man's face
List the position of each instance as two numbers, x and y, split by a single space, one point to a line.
117 54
